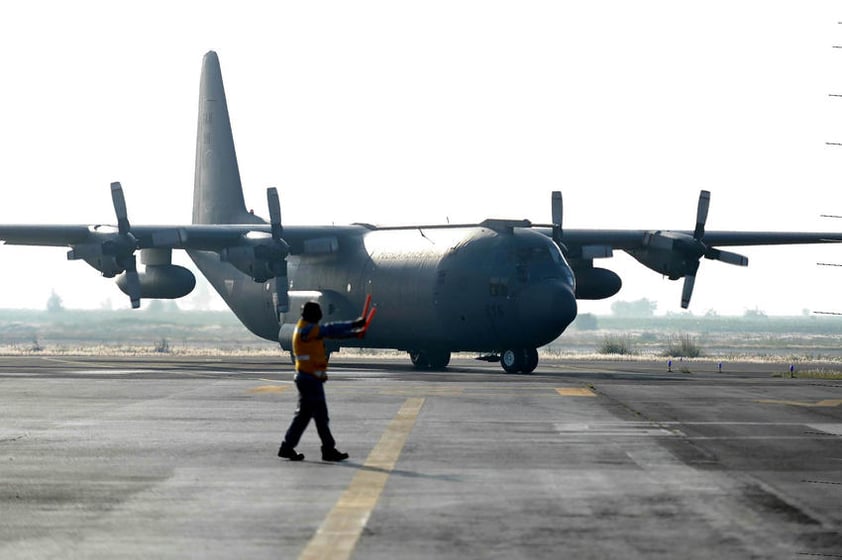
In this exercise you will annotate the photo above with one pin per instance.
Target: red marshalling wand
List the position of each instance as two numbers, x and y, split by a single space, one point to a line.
368 315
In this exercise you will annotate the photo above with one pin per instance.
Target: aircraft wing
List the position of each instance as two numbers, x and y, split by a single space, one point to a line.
673 253
47 235
575 239
260 248
256 249
189 237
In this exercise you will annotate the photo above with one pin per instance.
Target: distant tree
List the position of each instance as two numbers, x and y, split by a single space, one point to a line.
640 308
585 322
755 313
54 304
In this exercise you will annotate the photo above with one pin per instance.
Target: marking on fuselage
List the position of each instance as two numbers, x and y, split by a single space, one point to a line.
338 535
575 392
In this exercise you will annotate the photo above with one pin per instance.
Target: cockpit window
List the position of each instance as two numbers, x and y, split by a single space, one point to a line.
536 263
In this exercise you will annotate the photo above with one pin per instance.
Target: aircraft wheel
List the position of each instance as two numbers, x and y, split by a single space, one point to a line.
531 360
433 359
512 360
419 360
438 359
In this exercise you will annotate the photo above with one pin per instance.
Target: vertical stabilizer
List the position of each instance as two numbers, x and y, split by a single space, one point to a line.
217 191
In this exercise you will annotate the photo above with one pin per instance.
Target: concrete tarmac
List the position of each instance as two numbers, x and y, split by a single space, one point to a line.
175 457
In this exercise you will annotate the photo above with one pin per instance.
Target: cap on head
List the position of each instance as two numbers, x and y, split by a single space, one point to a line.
311 312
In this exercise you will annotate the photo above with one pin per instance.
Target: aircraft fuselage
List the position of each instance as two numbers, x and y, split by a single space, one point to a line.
464 289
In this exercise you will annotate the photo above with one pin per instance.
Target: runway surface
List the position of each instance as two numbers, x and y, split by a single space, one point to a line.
176 457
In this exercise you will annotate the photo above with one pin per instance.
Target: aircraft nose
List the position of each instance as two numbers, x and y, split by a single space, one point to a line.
549 307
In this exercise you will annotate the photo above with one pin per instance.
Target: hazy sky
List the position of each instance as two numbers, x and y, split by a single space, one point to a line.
398 112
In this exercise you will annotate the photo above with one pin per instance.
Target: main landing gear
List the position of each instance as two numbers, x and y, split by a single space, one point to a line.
513 360
519 360
430 359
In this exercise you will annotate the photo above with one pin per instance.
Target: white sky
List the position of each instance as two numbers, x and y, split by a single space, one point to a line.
398 112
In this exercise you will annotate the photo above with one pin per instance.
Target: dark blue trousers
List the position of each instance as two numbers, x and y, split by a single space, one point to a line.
311 404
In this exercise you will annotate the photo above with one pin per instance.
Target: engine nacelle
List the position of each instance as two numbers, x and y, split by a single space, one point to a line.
260 261
596 283
164 281
671 264
671 253
106 264
100 255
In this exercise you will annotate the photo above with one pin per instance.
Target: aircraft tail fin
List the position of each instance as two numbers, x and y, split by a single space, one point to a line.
217 190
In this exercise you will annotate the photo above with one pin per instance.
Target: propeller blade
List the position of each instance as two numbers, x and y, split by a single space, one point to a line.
282 290
281 279
687 291
133 281
689 283
726 257
557 209
274 213
702 214
119 201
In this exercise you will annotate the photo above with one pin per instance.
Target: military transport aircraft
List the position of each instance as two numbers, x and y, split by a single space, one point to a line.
500 288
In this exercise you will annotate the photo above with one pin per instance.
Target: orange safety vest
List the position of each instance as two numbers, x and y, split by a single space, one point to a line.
309 349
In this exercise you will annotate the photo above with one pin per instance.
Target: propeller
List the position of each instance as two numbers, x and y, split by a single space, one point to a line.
123 247
557 217
263 256
696 249
279 266
557 214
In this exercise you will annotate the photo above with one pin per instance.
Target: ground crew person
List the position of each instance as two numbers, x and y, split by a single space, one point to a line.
310 375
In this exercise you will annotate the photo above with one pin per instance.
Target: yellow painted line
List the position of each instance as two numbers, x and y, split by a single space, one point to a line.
575 392
270 389
338 535
823 403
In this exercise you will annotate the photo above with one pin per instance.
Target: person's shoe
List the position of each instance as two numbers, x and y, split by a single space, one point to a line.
289 453
333 454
